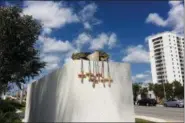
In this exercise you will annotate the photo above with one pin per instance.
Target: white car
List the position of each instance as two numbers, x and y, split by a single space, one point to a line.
174 103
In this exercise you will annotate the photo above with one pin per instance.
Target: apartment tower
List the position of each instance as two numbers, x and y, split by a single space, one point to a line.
167 57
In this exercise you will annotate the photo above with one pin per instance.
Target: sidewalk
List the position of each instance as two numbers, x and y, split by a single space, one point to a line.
159 105
152 119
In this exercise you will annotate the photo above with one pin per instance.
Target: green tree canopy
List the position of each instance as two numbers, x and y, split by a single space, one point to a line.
136 88
144 92
19 60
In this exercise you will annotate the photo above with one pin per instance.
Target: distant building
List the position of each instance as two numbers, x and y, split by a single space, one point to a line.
167 57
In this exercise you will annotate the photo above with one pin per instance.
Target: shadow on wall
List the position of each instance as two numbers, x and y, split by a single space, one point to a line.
124 96
44 96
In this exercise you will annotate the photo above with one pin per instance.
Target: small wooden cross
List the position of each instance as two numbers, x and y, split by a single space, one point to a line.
82 76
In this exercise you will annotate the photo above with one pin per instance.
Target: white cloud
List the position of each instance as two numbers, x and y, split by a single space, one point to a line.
51 14
175 3
86 15
142 77
51 62
156 19
99 41
102 40
112 40
82 39
68 55
53 45
87 25
56 14
51 59
88 11
55 52
175 18
136 54
46 31
51 67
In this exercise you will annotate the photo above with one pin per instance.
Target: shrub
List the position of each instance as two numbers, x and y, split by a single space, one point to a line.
7 111
16 104
9 117
6 107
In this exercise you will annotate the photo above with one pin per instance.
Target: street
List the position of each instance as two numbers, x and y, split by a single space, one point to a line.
168 114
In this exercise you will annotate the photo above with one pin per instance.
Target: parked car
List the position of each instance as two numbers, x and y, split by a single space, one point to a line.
147 102
174 103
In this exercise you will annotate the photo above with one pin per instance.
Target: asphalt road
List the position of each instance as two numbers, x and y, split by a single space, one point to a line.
166 113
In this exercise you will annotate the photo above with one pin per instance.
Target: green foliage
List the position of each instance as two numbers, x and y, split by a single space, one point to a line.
8 111
169 90
136 88
174 89
19 60
151 86
158 90
178 90
16 104
10 117
6 107
144 92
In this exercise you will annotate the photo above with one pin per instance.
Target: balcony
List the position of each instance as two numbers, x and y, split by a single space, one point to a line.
181 57
158 58
160 73
161 76
177 38
160 69
158 54
158 50
158 47
181 54
161 80
159 65
182 61
157 39
157 42
158 61
180 49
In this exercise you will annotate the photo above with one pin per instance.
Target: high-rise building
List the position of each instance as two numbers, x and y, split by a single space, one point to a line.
167 57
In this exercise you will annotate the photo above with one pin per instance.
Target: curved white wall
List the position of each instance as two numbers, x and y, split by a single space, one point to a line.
61 97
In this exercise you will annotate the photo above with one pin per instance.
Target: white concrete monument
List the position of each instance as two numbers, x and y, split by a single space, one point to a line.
62 97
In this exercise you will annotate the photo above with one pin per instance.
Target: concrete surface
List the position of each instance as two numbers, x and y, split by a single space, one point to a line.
152 119
61 97
165 113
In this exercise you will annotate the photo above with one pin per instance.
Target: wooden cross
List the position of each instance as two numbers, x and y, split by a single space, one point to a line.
82 76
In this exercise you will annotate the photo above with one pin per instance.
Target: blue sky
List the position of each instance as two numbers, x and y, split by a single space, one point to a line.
119 28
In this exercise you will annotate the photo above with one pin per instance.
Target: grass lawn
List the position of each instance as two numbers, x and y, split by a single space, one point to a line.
143 121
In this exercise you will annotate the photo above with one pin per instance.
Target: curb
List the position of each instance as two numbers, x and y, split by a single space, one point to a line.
152 119
159 105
